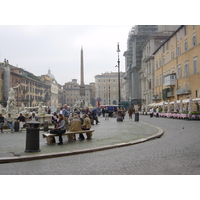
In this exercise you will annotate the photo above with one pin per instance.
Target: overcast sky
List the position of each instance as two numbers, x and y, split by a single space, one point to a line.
42 34
57 47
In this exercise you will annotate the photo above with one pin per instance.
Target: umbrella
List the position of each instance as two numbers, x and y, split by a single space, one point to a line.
168 106
181 106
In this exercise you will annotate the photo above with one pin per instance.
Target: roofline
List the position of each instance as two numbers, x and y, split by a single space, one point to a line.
168 38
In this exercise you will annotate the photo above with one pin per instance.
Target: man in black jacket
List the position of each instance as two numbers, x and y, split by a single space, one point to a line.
21 120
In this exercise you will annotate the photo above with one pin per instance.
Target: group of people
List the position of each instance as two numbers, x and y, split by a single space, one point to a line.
10 121
64 122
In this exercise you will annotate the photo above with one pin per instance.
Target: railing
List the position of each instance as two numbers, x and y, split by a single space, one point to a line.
183 91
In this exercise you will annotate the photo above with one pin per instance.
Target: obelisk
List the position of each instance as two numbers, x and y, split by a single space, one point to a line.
82 85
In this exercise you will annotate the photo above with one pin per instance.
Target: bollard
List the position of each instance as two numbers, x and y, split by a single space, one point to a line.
136 117
16 126
46 126
32 137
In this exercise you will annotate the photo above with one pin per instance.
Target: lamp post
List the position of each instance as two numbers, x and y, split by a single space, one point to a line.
119 113
109 92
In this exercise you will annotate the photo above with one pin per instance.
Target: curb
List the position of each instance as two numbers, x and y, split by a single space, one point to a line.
61 154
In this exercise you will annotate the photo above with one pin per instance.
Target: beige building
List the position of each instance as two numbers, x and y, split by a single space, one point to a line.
177 72
71 92
107 87
32 90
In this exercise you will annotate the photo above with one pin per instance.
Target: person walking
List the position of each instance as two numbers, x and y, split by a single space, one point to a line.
151 112
123 112
65 114
103 112
1 122
10 122
60 129
157 111
130 113
106 113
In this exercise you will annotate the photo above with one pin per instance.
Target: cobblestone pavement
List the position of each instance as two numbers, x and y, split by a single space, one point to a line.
176 152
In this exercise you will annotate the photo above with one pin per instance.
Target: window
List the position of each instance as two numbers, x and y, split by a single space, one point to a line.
156 65
163 60
186 68
160 79
185 30
194 39
156 81
178 50
171 42
179 71
167 57
177 36
172 54
172 70
195 65
181 34
166 45
149 84
163 49
186 45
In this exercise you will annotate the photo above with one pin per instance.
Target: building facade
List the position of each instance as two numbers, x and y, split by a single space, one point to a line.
147 63
133 55
106 87
32 89
177 72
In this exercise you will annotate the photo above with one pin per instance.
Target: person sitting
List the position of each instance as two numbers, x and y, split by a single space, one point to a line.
60 128
33 117
1 122
75 124
10 122
86 125
54 119
21 120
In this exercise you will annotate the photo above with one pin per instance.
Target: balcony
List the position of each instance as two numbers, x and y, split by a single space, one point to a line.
170 94
156 97
183 91
170 80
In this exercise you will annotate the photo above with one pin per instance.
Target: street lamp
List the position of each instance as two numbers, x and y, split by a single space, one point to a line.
119 113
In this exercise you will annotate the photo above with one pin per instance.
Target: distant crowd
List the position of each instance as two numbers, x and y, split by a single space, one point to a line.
66 120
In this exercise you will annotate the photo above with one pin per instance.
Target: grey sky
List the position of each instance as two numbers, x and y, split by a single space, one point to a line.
38 48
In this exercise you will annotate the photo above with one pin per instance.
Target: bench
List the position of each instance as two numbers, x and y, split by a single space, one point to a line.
50 136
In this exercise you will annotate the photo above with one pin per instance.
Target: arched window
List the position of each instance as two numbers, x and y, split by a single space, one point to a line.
114 102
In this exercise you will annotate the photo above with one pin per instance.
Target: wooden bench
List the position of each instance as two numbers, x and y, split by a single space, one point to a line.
50 136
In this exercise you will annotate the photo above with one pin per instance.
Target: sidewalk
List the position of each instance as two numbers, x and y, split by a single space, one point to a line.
108 134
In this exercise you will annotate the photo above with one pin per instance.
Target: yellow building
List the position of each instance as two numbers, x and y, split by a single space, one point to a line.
177 72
